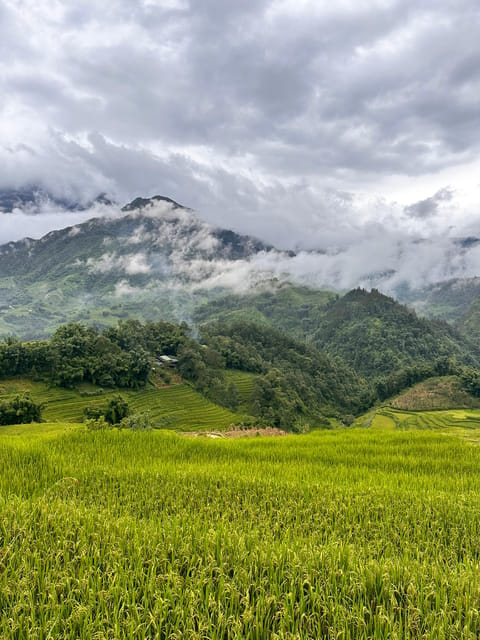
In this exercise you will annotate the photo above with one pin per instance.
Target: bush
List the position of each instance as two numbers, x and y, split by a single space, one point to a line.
20 410
115 411
98 424
137 422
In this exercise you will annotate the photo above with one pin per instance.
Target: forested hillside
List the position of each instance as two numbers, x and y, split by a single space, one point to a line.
371 332
376 335
290 308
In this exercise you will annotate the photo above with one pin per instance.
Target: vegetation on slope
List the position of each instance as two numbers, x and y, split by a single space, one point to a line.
294 386
177 406
436 393
295 382
371 332
291 309
377 336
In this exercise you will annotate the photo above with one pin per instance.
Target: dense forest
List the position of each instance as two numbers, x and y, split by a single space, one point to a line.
370 331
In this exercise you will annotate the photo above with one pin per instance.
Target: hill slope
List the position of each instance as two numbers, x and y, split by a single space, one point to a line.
376 335
371 332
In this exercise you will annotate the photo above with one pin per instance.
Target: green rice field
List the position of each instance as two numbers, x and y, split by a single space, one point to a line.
359 533
390 418
177 407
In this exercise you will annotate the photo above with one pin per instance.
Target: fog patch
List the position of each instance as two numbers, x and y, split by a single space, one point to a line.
124 289
131 264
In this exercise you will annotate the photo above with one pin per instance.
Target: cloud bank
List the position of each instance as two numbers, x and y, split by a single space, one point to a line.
307 123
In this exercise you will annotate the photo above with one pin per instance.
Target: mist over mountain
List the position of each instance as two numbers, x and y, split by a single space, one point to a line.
155 256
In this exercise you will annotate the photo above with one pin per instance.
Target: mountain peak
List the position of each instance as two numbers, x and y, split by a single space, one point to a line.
141 203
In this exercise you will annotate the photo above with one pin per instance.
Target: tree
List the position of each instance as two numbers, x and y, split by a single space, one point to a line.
116 410
20 410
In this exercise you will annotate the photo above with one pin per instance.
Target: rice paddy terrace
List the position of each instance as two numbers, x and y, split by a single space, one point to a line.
177 406
368 532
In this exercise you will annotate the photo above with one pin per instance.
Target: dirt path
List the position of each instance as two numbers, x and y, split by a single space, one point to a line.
237 433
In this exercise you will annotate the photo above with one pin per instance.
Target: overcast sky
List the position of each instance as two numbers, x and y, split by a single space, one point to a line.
308 123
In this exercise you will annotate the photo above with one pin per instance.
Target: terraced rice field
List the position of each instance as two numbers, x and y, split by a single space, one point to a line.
243 381
176 407
389 418
352 534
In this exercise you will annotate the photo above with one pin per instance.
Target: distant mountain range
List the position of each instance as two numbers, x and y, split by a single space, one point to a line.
35 199
156 259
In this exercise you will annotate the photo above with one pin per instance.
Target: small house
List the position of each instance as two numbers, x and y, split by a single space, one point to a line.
167 361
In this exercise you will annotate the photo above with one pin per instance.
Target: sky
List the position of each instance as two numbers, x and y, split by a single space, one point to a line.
308 123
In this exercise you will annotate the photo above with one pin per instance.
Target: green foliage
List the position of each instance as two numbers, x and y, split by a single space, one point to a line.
114 412
117 409
292 309
371 332
20 409
97 424
377 336
295 379
470 379
119 357
137 422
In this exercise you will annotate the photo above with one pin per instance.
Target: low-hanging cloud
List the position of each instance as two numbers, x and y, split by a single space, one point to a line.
180 251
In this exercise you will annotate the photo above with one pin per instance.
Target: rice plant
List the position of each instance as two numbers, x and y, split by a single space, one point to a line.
347 534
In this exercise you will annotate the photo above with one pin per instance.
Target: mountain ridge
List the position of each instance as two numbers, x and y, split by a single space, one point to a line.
157 258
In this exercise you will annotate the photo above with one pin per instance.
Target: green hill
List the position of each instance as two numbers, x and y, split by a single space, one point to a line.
289 308
377 336
371 332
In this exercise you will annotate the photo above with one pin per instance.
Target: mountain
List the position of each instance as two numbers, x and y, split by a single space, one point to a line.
156 259
447 300
153 259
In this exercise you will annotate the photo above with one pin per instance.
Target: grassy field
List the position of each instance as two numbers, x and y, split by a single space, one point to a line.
359 533
176 407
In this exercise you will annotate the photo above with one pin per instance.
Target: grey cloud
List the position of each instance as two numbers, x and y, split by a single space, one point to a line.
429 207
257 114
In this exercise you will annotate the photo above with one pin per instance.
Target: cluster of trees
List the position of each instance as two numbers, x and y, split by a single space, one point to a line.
470 381
118 357
116 414
20 410
113 413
